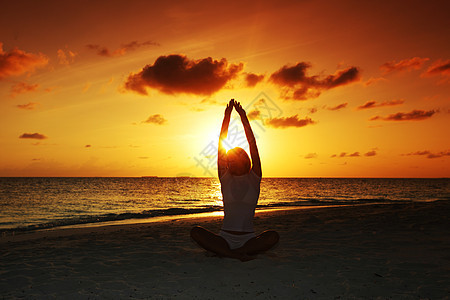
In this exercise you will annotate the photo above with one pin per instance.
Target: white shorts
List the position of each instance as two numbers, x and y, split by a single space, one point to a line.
236 240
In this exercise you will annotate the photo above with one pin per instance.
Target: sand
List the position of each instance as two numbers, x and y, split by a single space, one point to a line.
369 251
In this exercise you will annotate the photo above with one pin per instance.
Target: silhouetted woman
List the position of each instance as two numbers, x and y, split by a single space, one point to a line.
240 181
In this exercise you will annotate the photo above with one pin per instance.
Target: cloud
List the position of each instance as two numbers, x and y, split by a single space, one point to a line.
22 88
252 79
36 136
415 115
17 62
373 104
175 74
345 154
254 114
66 58
88 146
429 154
28 106
355 154
210 101
439 68
414 63
311 155
297 85
131 46
370 153
155 119
373 80
338 107
293 121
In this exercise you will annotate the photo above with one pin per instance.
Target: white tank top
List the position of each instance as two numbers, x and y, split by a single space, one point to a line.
240 196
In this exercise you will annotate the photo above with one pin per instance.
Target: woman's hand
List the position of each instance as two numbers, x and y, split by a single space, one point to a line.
229 107
239 109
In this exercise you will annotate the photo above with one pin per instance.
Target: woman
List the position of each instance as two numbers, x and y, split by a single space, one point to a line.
240 181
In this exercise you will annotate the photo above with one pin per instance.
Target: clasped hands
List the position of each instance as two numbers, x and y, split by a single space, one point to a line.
236 105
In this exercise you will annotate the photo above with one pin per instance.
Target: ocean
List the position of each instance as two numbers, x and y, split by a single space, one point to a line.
42 203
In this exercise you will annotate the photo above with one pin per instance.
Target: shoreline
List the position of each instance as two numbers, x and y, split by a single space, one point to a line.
365 251
23 235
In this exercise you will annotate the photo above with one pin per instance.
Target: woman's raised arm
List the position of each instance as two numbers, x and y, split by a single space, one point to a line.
222 153
256 161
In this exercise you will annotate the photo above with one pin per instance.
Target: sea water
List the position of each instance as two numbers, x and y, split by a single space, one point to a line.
40 203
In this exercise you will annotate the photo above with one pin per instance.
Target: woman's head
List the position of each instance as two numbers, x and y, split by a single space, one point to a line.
238 161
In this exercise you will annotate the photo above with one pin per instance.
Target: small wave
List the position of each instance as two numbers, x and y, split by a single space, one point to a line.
113 217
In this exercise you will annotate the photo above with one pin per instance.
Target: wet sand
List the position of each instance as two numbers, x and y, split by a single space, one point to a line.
399 251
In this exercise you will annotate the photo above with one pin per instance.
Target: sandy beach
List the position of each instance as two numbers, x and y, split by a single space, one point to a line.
399 251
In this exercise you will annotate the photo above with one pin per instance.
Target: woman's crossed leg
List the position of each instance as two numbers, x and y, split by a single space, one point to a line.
217 244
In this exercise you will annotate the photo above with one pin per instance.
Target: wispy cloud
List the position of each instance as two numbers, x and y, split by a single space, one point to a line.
155 119
338 107
409 64
373 104
311 155
36 136
22 88
292 121
122 50
28 106
175 74
429 154
297 85
439 68
66 57
374 80
415 115
355 154
254 114
17 62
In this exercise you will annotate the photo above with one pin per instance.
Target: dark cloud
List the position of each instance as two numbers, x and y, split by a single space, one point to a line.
28 106
414 63
338 107
355 154
155 119
131 46
373 104
415 115
439 68
36 136
253 79
22 88
87 146
293 121
17 62
177 74
429 154
297 85
371 153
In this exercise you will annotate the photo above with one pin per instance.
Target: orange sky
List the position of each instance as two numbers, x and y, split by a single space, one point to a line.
135 88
